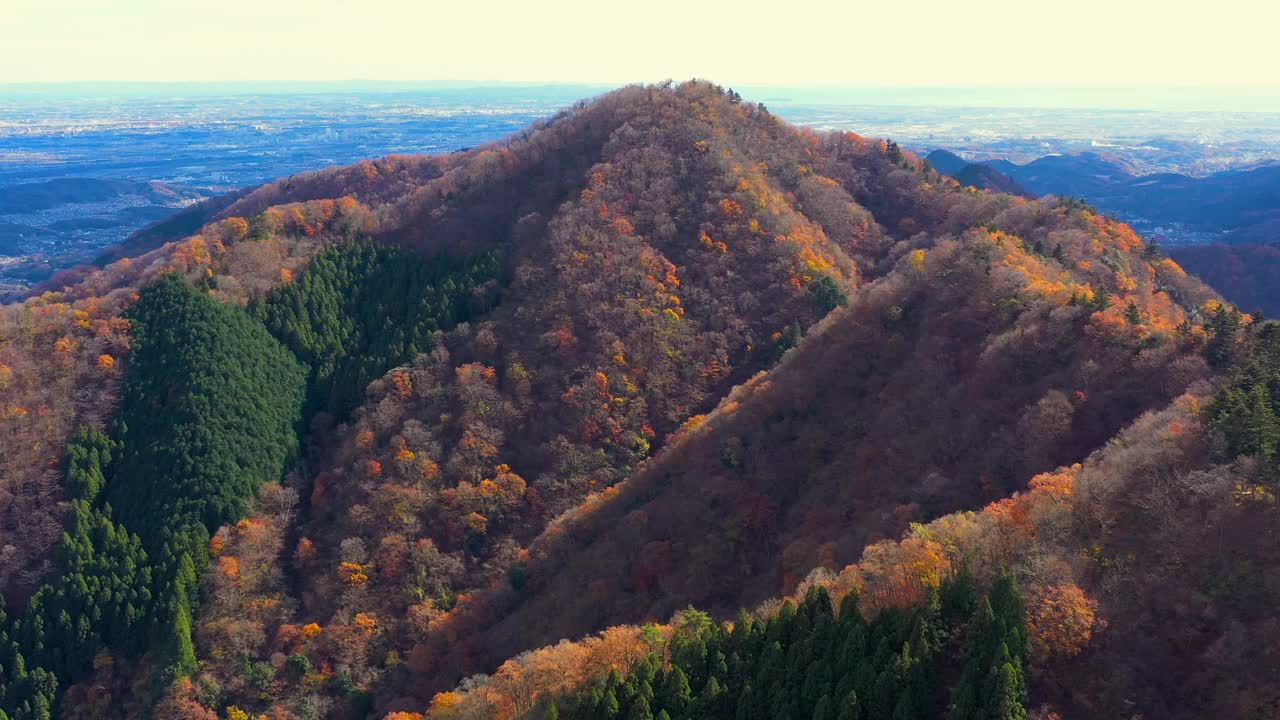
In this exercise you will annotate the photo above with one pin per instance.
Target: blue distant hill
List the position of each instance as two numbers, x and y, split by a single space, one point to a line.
1235 206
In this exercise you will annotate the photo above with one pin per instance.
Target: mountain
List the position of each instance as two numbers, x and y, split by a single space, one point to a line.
1095 597
1233 205
372 431
799 469
1004 166
1220 227
1086 175
1247 273
985 177
1240 205
982 176
946 162
1235 211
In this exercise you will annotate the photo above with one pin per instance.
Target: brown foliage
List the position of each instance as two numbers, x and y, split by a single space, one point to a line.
660 245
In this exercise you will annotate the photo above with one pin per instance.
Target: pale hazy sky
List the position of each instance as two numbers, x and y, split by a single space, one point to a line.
845 43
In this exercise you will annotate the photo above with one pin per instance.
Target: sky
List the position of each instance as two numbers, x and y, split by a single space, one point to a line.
848 43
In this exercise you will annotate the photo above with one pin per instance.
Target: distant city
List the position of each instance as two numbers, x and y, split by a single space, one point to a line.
82 169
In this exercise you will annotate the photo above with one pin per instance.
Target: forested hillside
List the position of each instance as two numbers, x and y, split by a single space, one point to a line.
1223 228
207 416
1250 273
62 354
806 662
378 429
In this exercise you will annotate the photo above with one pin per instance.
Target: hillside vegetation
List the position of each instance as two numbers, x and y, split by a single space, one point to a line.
1250 274
1222 227
376 429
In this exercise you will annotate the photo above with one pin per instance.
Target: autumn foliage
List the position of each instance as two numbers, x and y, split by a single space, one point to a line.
665 349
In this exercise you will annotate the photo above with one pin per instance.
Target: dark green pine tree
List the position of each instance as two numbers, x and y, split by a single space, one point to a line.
717 663
740 636
1131 314
710 701
210 407
1007 699
997 639
824 709
361 309
1246 410
959 597
771 673
1008 607
850 708
609 707
89 454
589 704
1260 431
894 152
1224 329
1101 300
967 696
826 294
964 704
674 694
906 707
177 647
884 694
746 705
639 709
783 706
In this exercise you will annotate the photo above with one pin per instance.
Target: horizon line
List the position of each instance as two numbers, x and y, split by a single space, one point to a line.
604 83
1185 98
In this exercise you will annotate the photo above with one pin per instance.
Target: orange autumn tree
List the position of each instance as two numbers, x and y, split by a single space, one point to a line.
1061 620
517 687
899 574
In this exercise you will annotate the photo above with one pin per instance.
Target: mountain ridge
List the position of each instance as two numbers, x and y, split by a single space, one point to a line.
1234 204
689 325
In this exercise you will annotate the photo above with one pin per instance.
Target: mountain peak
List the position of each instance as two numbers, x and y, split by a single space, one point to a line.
660 349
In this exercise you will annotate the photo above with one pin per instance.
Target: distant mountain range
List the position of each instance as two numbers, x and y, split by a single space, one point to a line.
1235 206
1224 227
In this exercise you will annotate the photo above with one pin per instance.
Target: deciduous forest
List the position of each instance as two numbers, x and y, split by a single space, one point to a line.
659 409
